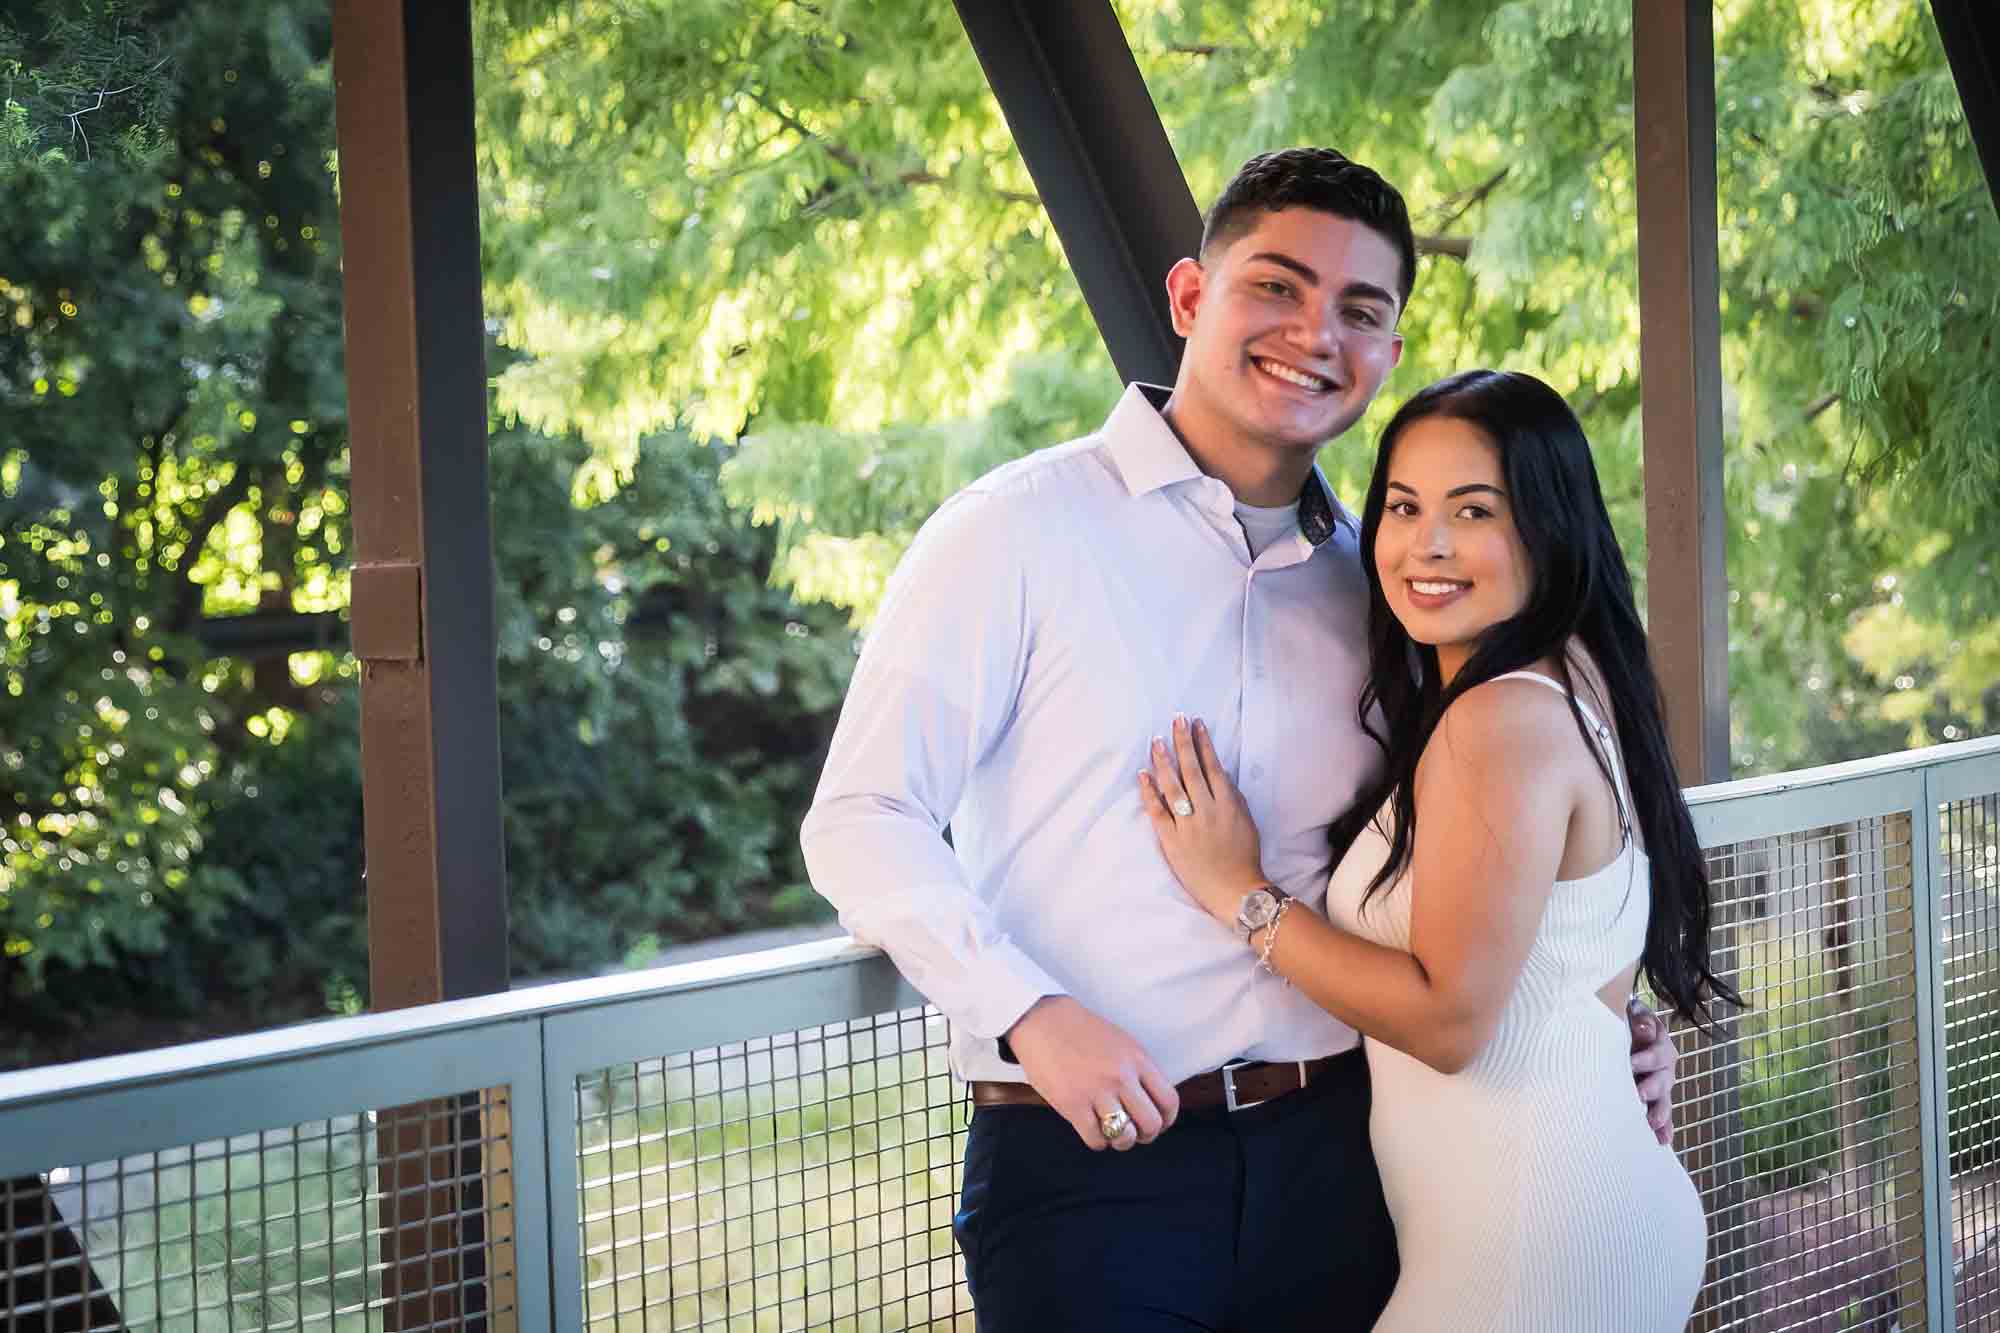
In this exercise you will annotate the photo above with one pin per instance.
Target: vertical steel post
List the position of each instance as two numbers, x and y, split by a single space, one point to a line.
1906 911
1680 357
423 577
423 621
1933 1109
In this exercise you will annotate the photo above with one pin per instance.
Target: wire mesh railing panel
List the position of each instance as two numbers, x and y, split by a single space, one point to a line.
1969 953
392 1218
801 1180
1800 1117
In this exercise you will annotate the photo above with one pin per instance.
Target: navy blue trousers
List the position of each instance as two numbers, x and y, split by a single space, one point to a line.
1269 1219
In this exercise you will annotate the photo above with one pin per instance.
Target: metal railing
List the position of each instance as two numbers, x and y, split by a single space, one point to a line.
771 1141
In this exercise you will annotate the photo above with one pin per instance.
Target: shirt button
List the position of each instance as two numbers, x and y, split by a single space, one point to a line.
1256 770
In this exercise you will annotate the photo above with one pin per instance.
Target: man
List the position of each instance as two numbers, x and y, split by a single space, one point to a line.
1187 558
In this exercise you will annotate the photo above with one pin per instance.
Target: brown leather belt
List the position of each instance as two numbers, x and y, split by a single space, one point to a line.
1237 1086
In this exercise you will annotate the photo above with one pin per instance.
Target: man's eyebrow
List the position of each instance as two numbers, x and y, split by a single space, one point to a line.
1285 261
1368 291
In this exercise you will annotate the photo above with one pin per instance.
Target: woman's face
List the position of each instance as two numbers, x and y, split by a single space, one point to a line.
1449 556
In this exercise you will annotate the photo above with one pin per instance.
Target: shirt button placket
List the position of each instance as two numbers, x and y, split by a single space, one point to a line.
1254 701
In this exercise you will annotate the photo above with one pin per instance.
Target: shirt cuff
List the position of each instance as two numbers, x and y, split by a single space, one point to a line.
1009 984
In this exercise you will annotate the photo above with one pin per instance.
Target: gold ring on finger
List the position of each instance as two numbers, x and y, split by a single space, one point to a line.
1114 1124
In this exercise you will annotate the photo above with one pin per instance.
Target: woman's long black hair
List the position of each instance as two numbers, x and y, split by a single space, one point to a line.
1582 591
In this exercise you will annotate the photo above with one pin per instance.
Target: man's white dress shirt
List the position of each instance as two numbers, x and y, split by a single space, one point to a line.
1047 622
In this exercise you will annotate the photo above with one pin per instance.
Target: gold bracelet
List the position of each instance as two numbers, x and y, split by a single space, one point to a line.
1271 935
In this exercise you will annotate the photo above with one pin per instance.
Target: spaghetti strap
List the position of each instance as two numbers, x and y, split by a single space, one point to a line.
1597 729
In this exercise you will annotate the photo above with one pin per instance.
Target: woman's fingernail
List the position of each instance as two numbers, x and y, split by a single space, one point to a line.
1159 744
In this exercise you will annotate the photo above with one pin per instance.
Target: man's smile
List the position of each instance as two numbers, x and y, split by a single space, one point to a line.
1292 375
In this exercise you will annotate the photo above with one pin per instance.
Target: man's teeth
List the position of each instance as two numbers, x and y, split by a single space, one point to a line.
1290 376
1436 589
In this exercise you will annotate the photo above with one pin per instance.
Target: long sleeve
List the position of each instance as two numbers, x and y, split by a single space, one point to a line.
938 681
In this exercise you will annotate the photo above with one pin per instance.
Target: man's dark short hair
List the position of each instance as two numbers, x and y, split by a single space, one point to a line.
1313 178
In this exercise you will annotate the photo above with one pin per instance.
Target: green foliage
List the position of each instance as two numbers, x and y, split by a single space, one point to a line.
716 212
170 406
1790 1086
754 215
663 708
180 833
90 79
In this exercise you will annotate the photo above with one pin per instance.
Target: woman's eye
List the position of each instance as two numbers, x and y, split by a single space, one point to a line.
1475 511
1402 508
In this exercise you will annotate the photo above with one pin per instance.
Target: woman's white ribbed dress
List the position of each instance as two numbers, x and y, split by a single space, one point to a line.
1528 1191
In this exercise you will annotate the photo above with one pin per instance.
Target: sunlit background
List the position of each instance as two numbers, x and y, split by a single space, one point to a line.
764 283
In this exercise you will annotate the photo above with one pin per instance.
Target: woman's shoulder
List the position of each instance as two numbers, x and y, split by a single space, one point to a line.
1511 724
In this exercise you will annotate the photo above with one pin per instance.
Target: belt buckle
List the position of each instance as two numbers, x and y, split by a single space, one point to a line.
1228 1072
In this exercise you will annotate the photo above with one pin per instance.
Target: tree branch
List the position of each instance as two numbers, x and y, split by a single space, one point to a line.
932 178
1449 247
848 158
1469 199
1811 413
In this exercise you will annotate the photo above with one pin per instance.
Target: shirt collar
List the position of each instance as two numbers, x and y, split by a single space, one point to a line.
1149 456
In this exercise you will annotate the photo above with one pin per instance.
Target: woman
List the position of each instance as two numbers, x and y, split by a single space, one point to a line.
1525 854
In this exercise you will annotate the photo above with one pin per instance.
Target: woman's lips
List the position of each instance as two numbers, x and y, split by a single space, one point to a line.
1431 594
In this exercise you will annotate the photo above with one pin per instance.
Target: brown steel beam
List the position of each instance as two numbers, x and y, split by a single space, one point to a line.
422 616
1687 592
423 577
1680 358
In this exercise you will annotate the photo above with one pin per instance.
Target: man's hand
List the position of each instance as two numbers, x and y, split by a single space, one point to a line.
1087 1068
1653 1057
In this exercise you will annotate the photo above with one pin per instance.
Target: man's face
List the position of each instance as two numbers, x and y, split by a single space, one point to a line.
1290 327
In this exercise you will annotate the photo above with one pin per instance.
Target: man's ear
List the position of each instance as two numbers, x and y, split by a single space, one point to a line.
1395 351
1184 283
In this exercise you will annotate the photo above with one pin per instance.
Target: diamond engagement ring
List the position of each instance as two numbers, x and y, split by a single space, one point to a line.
1183 808
1114 1124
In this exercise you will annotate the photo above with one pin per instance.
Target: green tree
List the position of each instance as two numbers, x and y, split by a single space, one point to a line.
172 430
805 226
182 828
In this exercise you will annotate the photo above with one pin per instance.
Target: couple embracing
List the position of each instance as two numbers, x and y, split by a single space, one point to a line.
1301 867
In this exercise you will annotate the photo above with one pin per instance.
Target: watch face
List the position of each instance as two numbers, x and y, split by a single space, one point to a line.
1259 906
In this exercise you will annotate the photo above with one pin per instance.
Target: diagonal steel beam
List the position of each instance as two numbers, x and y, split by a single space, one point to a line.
1971 33
1086 126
